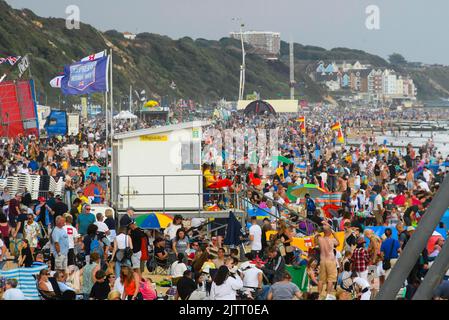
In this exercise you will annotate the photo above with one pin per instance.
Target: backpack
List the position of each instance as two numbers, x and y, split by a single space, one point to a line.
95 246
151 264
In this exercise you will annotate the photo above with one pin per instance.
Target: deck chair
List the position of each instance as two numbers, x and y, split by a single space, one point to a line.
42 294
66 295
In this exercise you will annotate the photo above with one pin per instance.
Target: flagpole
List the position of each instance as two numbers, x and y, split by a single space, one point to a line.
112 131
108 195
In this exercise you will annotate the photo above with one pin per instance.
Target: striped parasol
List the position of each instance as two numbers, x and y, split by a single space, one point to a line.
153 221
312 189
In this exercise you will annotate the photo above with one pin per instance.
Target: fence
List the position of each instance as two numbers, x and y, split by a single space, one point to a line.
170 193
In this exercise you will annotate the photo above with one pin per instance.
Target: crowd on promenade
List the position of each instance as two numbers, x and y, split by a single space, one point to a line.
93 256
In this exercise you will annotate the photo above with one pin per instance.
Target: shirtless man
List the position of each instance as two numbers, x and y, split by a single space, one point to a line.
328 267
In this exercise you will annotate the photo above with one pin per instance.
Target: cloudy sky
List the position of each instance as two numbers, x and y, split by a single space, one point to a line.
417 29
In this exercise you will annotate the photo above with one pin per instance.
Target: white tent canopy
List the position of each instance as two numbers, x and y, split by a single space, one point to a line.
125 115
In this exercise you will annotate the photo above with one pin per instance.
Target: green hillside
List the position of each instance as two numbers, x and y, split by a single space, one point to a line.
203 70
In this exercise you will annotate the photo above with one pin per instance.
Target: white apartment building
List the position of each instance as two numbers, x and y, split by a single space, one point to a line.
389 82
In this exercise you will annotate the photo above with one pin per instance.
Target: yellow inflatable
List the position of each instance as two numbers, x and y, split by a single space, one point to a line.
151 104
304 243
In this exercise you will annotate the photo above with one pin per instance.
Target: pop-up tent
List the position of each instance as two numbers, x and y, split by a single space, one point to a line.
125 115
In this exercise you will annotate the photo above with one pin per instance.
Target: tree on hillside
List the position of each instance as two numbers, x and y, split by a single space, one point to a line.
397 59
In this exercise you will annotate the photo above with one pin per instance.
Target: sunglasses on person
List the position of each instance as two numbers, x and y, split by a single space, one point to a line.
87 209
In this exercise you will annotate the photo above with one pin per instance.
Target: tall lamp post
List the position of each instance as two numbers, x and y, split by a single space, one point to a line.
243 65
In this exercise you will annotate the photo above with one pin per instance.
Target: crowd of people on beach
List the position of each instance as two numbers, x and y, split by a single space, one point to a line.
81 255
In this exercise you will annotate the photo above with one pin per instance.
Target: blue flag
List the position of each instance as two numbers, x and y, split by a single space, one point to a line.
86 77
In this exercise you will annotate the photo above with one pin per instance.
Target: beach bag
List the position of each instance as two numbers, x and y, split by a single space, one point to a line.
124 254
151 264
147 291
386 265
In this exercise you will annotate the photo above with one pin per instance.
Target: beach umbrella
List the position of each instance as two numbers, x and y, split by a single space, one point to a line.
331 210
289 193
253 180
153 220
93 189
93 169
312 189
399 200
282 159
221 184
433 240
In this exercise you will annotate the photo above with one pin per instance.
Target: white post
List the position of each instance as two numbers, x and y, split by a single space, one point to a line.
242 68
112 131
108 193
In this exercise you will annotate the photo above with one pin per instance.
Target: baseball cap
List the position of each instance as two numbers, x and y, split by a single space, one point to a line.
41 199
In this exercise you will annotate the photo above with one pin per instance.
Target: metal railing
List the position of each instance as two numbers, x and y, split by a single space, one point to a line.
284 208
233 200
223 199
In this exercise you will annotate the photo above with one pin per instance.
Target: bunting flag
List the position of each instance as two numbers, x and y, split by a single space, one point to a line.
11 59
340 137
302 123
93 57
56 82
336 126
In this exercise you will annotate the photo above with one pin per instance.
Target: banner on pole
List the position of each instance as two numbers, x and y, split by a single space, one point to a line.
86 77
11 59
84 107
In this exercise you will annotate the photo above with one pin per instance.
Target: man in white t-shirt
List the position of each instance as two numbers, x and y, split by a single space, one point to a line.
73 237
102 227
252 276
378 209
255 235
427 175
324 177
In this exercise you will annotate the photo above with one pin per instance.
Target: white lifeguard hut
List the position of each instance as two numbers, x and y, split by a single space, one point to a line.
159 168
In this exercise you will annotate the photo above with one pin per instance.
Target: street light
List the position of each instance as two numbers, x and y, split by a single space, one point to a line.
243 65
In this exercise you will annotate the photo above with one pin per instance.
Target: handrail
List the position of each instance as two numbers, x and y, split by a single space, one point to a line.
284 207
